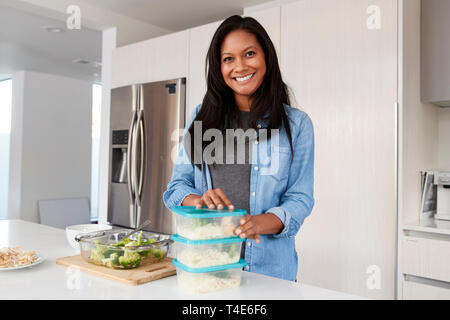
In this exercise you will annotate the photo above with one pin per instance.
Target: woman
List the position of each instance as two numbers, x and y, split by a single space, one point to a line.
275 181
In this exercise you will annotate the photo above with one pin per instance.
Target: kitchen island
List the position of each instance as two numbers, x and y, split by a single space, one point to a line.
48 280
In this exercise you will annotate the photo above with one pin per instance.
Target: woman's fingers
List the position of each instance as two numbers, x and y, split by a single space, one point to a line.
248 228
216 198
199 203
207 200
224 198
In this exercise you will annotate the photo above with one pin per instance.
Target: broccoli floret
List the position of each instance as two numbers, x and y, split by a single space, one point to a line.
112 261
151 240
121 243
157 253
130 259
140 238
98 253
132 244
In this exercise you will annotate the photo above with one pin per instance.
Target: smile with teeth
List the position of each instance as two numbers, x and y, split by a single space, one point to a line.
244 78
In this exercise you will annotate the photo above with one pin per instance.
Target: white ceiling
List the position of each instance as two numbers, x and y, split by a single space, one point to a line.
25 45
176 15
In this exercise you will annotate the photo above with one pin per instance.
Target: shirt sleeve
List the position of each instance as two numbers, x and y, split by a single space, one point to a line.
182 182
298 200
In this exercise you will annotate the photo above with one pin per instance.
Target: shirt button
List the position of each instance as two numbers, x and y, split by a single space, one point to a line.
256 168
253 193
247 268
249 244
259 126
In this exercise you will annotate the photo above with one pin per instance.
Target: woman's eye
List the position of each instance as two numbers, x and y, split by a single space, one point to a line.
250 53
227 59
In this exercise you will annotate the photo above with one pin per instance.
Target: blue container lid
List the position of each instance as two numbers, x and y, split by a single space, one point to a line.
242 263
178 238
204 212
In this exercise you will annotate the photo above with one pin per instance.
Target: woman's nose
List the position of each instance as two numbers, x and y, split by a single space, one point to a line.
240 65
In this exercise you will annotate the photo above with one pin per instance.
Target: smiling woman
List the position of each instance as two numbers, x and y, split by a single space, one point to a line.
274 183
5 130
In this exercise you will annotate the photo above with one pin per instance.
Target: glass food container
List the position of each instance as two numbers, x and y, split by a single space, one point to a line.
207 253
111 249
209 279
204 223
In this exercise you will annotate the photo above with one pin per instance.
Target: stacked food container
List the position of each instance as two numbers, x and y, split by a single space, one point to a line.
207 251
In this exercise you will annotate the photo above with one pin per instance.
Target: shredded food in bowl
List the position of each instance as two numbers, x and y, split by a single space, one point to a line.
16 257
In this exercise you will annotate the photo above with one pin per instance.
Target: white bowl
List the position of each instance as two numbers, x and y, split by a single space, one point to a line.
72 231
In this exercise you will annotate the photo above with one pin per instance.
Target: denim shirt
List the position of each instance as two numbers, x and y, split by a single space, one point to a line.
279 184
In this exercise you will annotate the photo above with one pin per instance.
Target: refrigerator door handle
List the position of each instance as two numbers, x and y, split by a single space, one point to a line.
140 140
130 157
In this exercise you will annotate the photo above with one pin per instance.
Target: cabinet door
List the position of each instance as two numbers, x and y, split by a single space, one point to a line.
341 65
199 41
270 20
420 291
157 59
428 258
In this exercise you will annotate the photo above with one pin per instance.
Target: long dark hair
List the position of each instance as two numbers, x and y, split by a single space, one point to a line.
219 107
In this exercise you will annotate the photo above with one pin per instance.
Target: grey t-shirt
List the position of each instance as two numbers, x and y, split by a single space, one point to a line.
234 178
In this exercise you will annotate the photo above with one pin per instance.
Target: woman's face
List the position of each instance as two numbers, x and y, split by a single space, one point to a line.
243 63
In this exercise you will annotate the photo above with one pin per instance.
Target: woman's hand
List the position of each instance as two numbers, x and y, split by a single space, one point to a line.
252 226
211 198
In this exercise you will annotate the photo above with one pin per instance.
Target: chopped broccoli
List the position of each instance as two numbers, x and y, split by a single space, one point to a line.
130 259
151 240
112 261
122 243
98 253
122 256
157 253
132 244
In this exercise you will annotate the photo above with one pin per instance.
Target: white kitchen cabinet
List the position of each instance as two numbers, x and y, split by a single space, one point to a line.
270 20
422 291
427 257
156 59
422 146
342 71
435 47
199 41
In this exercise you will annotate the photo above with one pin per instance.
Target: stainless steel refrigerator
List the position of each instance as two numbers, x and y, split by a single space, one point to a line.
143 118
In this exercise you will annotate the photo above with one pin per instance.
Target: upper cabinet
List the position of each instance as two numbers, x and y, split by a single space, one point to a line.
270 20
435 52
199 41
156 59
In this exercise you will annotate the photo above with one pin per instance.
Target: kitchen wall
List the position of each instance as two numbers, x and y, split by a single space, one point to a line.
444 135
50 155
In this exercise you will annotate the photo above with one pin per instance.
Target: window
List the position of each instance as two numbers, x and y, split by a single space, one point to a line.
5 132
96 120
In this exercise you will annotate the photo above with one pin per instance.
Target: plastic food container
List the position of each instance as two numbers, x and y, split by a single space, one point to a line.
204 223
101 248
207 253
209 279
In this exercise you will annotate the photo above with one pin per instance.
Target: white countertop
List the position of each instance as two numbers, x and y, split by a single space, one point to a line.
431 225
51 281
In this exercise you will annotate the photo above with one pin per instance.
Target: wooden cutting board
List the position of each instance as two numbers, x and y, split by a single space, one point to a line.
146 272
